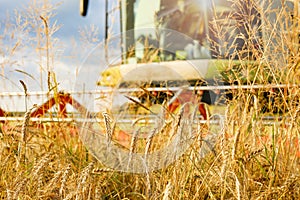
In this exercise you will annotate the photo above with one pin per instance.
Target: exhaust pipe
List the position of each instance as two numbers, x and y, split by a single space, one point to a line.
84 7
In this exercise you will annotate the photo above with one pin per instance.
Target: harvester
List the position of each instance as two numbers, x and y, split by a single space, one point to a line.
210 47
187 57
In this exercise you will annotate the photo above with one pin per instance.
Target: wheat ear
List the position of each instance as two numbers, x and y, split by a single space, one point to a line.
24 132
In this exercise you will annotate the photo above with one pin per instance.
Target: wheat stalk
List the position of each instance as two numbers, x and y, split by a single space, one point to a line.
81 187
237 138
40 166
70 196
148 182
109 130
167 191
9 194
147 151
237 186
64 180
253 154
20 188
133 145
177 123
101 170
25 92
24 132
54 180
149 142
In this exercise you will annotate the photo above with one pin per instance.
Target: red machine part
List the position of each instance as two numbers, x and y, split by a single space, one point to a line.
2 113
62 99
188 96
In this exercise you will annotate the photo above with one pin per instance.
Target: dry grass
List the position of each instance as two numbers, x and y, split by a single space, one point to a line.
263 163
251 160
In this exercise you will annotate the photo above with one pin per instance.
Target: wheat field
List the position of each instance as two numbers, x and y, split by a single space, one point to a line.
251 159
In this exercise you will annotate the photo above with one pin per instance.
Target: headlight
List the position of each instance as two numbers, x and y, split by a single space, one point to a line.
110 77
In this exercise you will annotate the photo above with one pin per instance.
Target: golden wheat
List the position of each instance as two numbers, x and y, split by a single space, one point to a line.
253 160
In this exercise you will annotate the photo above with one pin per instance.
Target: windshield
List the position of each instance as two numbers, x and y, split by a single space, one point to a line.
187 29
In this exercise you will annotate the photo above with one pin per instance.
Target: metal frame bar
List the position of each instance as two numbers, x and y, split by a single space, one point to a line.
124 90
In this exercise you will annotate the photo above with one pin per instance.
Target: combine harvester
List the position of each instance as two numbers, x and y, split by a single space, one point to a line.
195 56
178 51
201 51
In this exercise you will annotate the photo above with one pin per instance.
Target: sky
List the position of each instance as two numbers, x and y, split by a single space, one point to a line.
74 46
